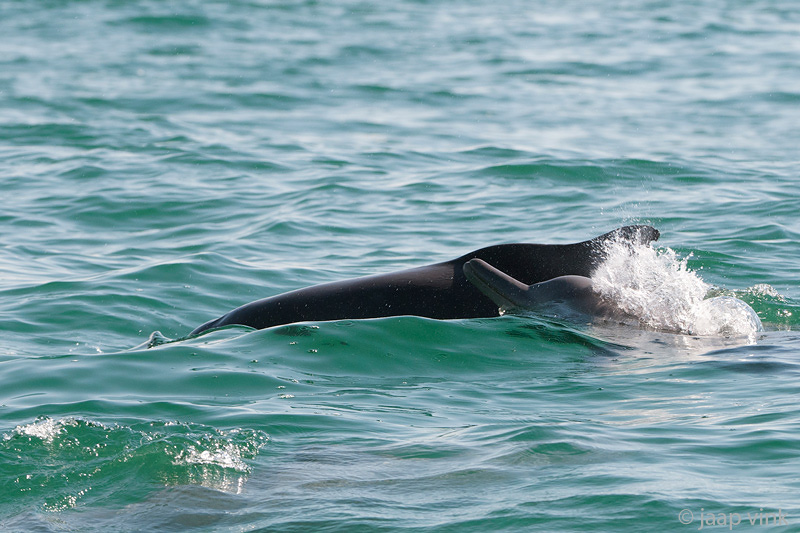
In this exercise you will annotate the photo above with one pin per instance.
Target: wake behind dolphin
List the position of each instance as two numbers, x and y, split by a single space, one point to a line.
440 291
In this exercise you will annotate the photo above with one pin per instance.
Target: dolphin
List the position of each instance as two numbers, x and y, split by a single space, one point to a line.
440 291
564 296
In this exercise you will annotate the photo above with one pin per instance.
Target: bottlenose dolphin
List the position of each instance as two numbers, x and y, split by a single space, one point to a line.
563 296
440 291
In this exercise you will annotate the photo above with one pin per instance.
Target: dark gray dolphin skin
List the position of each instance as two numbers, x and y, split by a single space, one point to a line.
563 296
441 290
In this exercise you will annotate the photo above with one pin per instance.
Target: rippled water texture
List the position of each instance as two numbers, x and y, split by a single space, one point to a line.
164 162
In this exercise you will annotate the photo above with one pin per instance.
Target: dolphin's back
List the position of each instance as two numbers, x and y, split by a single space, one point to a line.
438 291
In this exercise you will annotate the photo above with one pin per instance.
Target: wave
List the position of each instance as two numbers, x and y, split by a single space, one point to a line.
60 463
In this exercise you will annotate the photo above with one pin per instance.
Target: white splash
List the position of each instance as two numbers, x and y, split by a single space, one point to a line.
657 288
45 429
226 455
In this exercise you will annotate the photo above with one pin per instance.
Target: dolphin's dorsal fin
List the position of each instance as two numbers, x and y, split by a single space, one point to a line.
511 294
502 289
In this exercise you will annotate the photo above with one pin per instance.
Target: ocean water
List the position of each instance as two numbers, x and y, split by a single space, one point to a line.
164 162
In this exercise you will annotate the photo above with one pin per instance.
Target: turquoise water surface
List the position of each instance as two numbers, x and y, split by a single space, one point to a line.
164 162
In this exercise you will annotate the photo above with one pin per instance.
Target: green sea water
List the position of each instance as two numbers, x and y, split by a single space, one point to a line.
164 162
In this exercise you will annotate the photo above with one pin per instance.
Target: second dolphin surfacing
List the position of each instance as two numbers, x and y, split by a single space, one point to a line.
561 296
